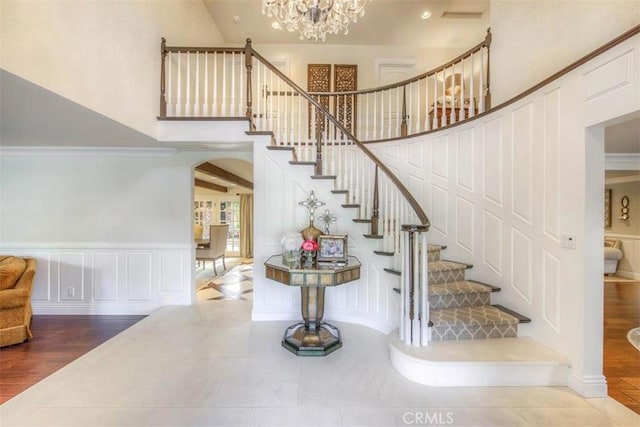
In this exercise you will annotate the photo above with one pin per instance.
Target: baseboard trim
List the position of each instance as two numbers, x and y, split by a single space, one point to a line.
588 385
628 274
88 309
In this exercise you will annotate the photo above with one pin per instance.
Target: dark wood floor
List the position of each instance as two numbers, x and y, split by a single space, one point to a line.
621 359
57 341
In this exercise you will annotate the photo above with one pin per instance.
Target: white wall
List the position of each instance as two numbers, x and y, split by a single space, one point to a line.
532 39
104 55
111 229
501 191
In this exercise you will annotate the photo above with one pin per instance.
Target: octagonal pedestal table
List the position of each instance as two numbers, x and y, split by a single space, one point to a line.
312 337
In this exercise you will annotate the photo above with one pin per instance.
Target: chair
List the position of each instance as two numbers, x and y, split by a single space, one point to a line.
197 232
217 246
16 282
612 254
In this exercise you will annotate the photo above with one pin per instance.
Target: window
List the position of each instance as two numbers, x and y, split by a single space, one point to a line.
230 214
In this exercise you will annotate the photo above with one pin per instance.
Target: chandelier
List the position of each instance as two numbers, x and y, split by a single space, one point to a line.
314 18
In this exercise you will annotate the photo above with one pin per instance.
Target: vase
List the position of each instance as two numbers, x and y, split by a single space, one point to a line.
308 258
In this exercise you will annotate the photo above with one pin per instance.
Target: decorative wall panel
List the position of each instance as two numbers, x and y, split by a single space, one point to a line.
171 272
611 75
465 159
439 206
522 162
345 79
416 154
492 161
42 281
551 176
492 241
71 276
521 263
139 279
464 224
105 276
551 289
440 157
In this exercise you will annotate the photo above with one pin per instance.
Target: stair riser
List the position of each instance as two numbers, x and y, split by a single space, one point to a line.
461 300
446 276
433 256
473 332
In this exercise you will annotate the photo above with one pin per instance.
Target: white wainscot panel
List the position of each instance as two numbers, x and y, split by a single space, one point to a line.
492 241
440 157
492 160
373 275
521 263
464 224
522 162
416 154
551 176
105 276
393 152
415 185
439 207
42 281
273 179
608 76
139 278
551 289
71 276
171 272
465 159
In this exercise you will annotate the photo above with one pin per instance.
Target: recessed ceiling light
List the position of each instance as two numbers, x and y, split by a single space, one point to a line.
425 15
276 25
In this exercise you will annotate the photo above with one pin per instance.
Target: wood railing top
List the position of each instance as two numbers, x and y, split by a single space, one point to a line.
486 42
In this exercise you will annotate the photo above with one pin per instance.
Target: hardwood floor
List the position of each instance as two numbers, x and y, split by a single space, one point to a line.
621 359
57 341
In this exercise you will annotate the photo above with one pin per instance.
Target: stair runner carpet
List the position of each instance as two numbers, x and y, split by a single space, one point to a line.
460 309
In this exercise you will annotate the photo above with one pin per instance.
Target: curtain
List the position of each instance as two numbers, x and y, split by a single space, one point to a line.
246 225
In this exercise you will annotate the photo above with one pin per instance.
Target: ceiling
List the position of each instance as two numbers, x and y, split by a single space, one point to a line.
623 137
238 167
400 19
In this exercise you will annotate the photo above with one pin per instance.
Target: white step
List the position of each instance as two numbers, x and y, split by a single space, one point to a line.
479 363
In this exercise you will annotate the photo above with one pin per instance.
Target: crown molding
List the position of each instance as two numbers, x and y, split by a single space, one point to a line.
622 161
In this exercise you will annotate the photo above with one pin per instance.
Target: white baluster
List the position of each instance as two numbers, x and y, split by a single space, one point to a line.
427 125
472 94
205 103
241 86
232 94
435 124
452 118
187 103
224 88
169 88
215 85
398 113
196 111
179 86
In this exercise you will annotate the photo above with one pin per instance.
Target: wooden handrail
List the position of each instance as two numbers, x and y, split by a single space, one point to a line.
192 49
486 42
422 216
598 51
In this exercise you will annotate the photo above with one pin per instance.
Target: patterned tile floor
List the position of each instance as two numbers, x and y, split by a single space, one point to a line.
235 283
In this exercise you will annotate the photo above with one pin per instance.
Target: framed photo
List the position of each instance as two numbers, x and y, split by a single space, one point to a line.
332 248
607 207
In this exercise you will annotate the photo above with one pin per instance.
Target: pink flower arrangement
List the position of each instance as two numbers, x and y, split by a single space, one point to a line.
309 245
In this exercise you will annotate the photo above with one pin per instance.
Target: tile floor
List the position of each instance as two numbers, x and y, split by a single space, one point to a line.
235 283
209 365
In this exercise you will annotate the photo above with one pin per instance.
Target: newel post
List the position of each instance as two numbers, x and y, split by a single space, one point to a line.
487 95
163 99
414 312
248 63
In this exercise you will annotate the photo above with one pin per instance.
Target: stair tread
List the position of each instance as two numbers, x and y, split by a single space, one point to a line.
279 147
393 271
383 253
492 287
431 247
350 205
373 236
457 288
362 220
340 191
521 318
300 162
323 176
477 315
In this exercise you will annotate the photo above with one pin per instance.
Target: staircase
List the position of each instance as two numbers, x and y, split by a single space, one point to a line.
459 309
